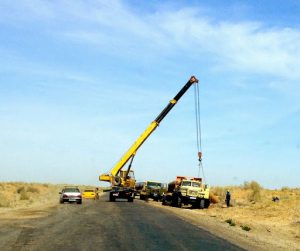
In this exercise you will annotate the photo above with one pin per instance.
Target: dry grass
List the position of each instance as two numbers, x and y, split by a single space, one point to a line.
14 195
20 194
253 210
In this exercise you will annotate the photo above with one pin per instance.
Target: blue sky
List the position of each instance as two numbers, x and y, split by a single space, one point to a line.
81 80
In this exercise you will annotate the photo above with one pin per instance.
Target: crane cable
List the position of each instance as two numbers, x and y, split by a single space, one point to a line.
198 129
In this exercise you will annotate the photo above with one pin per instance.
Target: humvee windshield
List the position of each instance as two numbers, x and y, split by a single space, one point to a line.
153 184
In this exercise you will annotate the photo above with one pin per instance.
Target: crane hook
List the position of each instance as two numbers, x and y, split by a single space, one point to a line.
200 156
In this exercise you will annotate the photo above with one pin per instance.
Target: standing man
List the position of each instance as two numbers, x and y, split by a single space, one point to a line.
228 195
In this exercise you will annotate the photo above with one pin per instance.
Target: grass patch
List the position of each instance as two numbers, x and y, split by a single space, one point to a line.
231 222
218 193
246 228
20 190
255 195
24 195
32 189
4 201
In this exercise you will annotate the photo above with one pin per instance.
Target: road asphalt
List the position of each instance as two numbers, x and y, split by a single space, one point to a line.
103 225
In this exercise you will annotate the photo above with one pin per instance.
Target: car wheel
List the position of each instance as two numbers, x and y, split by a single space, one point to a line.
79 202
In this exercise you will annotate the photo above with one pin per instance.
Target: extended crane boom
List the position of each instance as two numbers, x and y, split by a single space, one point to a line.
124 180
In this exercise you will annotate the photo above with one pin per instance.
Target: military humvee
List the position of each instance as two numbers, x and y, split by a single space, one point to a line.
153 190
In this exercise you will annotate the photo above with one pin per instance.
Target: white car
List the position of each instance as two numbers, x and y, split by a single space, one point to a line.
70 194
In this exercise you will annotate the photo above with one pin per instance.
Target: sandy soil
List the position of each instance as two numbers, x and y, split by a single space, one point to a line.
273 225
260 237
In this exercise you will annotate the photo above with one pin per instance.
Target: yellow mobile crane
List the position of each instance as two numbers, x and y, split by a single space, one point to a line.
122 181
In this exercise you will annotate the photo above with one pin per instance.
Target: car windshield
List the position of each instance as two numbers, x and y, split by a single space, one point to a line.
71 190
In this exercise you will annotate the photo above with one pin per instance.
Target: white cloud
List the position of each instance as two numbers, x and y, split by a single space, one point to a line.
248 47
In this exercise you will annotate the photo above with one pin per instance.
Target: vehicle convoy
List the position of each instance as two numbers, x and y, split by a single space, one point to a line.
123 181
153 190
70 194
187 191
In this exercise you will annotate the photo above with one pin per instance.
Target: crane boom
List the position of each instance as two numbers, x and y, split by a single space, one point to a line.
111 177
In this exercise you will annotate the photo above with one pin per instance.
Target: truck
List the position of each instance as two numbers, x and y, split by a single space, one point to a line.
153 190
138 188
187 191
122 180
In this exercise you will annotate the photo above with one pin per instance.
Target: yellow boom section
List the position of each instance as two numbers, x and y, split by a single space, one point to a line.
131 151
113 175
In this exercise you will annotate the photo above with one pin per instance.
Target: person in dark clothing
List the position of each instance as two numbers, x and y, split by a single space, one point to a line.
228 195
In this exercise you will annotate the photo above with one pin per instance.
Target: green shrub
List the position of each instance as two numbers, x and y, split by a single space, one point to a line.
230 222
246 228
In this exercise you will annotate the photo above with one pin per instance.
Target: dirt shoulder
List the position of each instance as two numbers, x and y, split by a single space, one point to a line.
260 237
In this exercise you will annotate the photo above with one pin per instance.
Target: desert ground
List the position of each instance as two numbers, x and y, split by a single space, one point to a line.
254 220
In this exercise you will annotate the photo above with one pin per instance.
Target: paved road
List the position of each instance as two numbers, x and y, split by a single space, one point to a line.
104 225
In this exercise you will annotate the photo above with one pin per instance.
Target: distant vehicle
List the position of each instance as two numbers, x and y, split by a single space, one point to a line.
138 188
89 194
70 194
153 190
187 190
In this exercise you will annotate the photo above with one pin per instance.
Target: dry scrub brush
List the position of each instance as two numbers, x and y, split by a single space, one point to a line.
255 188
4 200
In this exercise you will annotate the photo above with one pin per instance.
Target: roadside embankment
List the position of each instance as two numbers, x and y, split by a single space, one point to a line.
258 218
